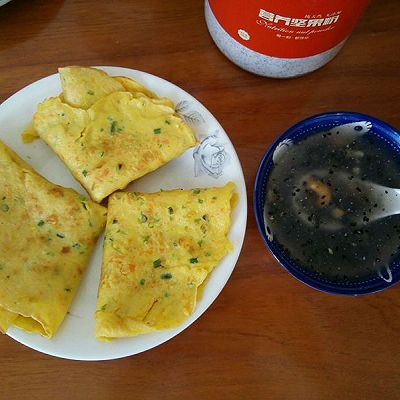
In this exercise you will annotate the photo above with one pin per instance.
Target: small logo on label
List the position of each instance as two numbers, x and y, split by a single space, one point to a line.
243 34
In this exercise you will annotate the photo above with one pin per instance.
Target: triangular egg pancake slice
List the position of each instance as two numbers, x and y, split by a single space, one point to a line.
47 235
158 250
119 139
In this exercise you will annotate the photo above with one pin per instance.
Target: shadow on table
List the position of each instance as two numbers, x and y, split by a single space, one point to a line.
21 20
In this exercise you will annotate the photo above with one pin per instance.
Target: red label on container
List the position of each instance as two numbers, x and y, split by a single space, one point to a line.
288 29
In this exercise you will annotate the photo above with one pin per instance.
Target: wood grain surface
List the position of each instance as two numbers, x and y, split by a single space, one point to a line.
267 336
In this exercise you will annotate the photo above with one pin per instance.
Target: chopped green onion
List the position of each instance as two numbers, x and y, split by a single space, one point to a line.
113 127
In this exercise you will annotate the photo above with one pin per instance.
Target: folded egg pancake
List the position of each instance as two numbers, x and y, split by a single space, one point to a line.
83 86
47 234
117 140
158 249
138 90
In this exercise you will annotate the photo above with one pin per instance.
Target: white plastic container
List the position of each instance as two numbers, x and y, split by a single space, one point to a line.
281 39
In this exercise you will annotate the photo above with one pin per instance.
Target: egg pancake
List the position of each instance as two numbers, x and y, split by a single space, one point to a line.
83 86
117 140
47 234
138 90
158 249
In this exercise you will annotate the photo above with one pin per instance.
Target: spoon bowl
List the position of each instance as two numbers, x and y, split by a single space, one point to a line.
346 200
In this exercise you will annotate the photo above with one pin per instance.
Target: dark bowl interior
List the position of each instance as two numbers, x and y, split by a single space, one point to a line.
388 275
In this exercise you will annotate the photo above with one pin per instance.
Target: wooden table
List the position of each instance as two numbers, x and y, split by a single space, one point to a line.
267 336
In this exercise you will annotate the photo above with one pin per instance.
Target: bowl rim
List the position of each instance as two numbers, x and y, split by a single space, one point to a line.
259 213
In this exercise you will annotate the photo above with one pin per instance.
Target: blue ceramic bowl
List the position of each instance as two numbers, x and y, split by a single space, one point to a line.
383 279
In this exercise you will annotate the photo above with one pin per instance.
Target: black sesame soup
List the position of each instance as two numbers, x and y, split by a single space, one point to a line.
320 203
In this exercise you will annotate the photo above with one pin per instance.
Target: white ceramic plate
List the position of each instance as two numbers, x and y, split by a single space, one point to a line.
2 2
212 163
